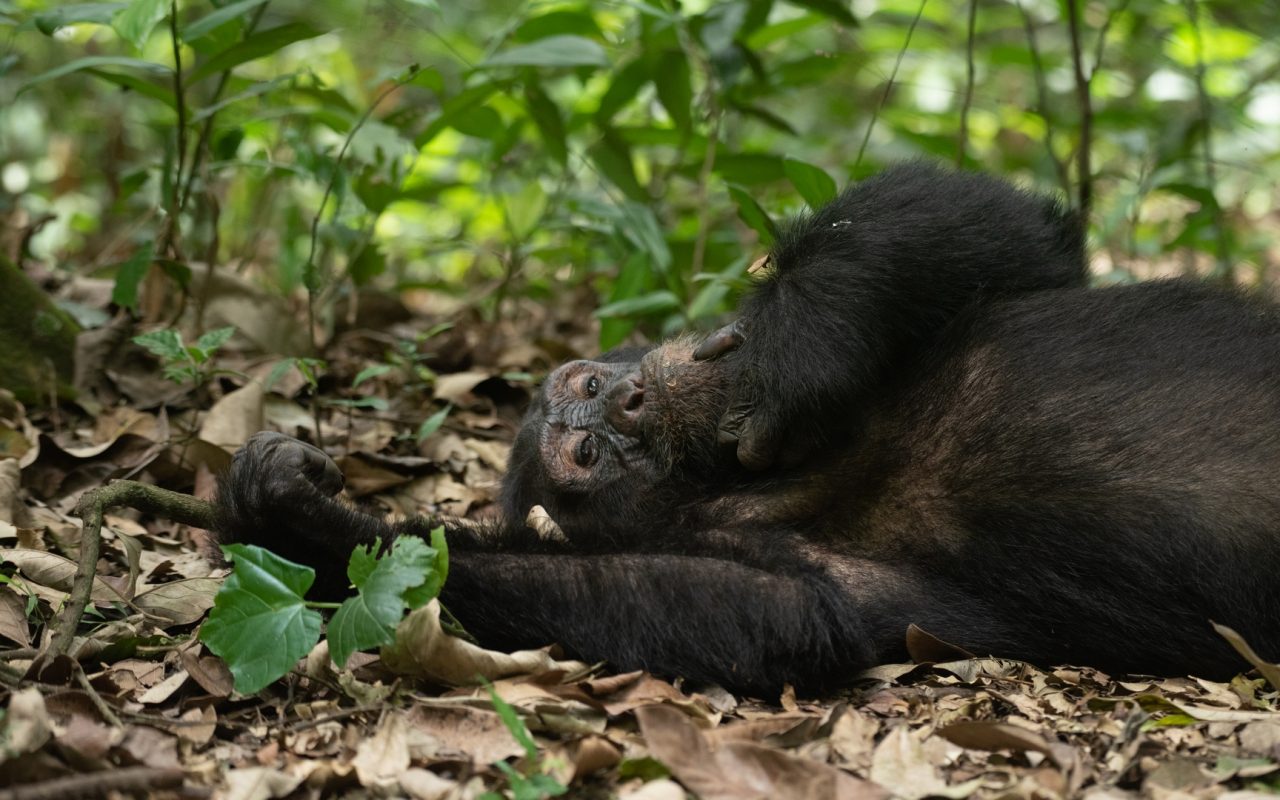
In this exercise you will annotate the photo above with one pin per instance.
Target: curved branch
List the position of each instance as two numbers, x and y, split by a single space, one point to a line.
91 508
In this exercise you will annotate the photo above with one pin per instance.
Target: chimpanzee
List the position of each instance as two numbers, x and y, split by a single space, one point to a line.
921 415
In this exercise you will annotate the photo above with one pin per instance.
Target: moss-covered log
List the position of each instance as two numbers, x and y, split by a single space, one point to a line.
37 340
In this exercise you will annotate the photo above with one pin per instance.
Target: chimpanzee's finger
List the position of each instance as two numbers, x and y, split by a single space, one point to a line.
759 443
725 340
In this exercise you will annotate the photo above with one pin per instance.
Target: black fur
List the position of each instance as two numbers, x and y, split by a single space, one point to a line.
942 427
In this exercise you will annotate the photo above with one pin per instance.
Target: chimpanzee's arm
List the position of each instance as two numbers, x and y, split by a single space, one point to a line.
703 618
859 288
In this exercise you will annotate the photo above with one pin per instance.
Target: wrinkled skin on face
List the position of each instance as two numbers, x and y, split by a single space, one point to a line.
629 433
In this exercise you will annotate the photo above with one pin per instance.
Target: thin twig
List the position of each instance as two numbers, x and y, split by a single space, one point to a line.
91 508
120 780
19 654
1042 100
1084 161
105 710
968 84
1222 271
888 87
181 103
197 155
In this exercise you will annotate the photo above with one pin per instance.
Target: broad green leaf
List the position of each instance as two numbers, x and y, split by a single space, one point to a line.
92 62
835 9
553 51
651 303
259 624
675 91
212 340
256 46
524 209
813 183
129 275
216 19
138 19
546 116
752 214
166 343
93 13
369 619
432 424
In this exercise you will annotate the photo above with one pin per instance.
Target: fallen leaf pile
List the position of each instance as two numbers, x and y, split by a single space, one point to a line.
144 710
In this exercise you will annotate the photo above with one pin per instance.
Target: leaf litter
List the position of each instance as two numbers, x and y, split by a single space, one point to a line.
147 709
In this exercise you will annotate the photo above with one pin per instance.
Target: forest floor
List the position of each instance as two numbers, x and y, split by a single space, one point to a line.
147 710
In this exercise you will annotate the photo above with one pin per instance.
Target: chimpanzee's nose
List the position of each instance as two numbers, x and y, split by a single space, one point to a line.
625 404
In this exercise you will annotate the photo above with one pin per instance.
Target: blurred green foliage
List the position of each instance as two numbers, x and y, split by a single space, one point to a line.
644 147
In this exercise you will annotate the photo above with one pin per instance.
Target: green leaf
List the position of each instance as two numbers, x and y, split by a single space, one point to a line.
217 19
573 21
813 183
93 13
553 51
623 88
142 86
613 158
546 116
752 214
650 303
212 340
432 424
640 227
372 371
255 47
93 62
436 576
138 19
675 91
369 619
259 624
835 9
631 282
167 344
129 274
454 107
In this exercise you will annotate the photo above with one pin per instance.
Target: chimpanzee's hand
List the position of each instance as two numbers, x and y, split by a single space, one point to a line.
273 469
754 423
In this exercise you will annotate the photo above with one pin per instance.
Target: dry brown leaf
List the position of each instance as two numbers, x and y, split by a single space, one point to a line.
741 770
902 764
179 602
10 481
26 724
1268 670
457 386
382 757
423 649
988 735
56 572
13 617
258 783
164 689
462 732
234 418
423 784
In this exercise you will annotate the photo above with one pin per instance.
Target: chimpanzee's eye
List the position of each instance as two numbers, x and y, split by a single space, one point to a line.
585 453
593 386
